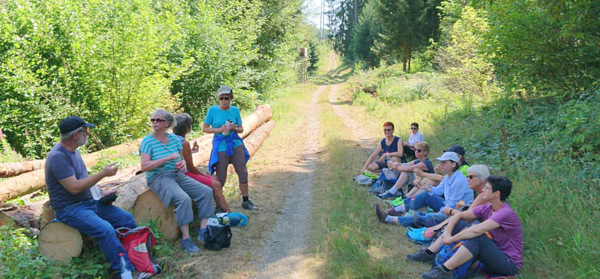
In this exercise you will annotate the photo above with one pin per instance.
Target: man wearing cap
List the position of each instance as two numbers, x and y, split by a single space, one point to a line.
225 122
69 184
452 189
460 151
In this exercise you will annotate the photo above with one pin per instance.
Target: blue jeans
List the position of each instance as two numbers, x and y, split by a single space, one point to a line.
99 221
424 199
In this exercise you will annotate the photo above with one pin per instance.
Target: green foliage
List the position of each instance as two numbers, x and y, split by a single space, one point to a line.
20 259
546 48
7 154
112 63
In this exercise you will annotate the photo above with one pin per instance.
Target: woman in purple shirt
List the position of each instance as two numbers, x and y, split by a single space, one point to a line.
501 254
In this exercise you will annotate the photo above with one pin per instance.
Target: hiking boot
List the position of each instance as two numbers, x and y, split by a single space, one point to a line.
437 272
189 247
249 205
393 212
387 195
421 256
380 214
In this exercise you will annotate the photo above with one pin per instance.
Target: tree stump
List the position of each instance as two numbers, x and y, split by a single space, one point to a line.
60 242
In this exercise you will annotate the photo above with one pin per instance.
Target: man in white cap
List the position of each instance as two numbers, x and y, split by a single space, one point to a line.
452 189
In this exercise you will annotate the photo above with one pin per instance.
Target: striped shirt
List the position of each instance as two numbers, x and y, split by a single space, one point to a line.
158 150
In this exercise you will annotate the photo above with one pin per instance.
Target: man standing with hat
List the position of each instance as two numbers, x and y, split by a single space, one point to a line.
69 184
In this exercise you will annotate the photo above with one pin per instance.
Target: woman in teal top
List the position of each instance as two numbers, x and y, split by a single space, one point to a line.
225 122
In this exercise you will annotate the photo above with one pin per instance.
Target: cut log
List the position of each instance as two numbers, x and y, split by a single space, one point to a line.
60 242
31 181
255 140
14 169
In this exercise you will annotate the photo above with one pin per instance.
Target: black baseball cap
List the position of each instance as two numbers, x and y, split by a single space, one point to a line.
456 148
73 123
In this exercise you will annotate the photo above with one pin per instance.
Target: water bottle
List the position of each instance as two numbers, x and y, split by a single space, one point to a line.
387 156
125 272
228 123
411 212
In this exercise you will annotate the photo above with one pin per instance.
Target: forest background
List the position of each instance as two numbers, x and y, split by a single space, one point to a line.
515 82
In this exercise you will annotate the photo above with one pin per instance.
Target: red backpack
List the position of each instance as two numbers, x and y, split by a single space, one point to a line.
138 243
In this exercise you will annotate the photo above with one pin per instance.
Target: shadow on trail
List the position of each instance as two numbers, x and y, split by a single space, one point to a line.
335 76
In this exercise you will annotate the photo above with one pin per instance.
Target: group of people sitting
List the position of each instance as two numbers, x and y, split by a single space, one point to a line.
166 159
464 204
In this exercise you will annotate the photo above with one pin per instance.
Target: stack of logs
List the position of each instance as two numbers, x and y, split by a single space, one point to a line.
59 241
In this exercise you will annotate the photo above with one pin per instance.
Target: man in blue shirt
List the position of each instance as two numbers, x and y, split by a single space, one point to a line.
68 185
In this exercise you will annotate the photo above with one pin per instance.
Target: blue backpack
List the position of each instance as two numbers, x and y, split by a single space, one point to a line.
446 252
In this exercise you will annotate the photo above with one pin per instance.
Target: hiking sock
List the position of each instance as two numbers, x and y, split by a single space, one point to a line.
389 219
392 191
445 268
400 208
245 199
428 252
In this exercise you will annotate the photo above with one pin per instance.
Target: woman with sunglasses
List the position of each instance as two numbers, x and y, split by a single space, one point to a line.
415 136
390 148
225 122
163 162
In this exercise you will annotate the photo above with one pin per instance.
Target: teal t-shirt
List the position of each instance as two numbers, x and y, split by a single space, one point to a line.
158 150
217 117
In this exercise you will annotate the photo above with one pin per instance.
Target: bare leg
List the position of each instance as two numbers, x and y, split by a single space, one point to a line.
203 223
218 195
401 181
185 231
373 167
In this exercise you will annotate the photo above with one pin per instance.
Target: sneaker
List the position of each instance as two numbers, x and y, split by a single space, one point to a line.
249 205
189 247
397 202
141 275
421 256
387 195
437 272
380 214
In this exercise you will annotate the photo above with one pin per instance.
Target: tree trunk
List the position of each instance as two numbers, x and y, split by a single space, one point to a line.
29 182
14 169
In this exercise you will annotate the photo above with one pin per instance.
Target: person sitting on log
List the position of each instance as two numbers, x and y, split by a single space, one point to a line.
406 170
415 136
163 162
453 188
500 253
390 148
182 127
68 185
225 122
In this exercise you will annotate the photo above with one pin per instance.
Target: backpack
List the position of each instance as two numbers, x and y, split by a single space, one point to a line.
446 252
138 243
383 184
418 236
217 236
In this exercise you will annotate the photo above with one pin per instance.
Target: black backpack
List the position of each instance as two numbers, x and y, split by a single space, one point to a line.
217 237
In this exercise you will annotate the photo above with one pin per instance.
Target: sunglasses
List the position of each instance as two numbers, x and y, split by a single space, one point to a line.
471 176
224 98
157 120
387 130
413 128
418 150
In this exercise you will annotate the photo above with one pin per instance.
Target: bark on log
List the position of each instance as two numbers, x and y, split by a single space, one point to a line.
14 169
31 181
60 242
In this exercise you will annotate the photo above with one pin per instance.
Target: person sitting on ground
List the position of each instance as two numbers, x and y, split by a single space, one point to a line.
390 148
415 136
501 254
406 170
225 122
453 188
476 176
464 165
163 162
182 127
68 185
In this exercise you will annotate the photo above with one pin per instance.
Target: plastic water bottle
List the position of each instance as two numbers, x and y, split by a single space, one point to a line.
125 272
228 123
411 212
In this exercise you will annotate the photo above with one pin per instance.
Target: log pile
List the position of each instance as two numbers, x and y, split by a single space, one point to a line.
145 206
